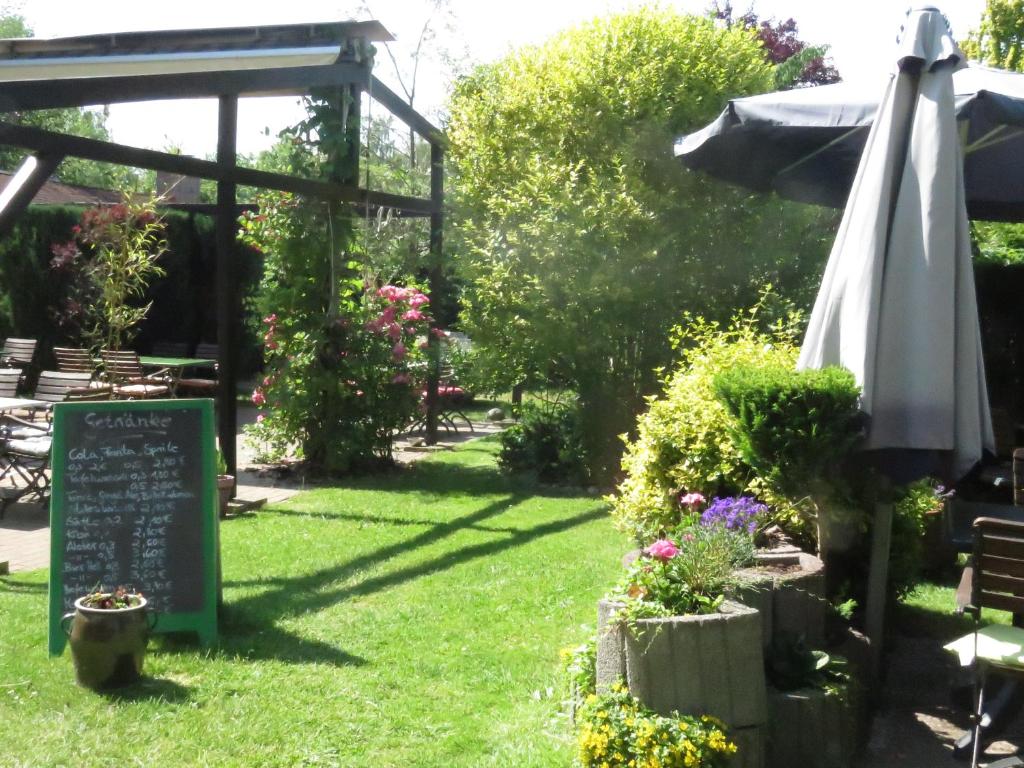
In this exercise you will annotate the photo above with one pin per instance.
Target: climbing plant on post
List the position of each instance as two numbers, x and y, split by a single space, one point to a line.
340 349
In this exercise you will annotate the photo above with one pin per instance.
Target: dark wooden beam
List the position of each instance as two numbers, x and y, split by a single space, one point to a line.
228 304
49 142
437 287
398 107
82 92
23 186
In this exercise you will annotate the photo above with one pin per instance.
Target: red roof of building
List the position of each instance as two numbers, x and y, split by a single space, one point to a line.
56 193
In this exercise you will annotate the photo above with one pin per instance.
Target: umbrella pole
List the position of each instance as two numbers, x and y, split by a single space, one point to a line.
878 578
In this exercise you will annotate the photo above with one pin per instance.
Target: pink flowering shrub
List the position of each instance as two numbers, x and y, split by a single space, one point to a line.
342 366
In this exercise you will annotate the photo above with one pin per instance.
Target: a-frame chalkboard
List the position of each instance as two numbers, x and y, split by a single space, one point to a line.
134 503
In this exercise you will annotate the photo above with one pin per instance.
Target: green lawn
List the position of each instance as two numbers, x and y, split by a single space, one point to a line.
412 619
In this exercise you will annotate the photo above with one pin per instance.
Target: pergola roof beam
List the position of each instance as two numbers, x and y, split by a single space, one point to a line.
397 106
49 142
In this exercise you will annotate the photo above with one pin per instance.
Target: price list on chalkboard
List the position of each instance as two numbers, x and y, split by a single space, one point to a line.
132 503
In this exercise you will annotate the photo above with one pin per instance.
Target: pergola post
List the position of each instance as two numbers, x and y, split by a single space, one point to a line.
227 284
436 281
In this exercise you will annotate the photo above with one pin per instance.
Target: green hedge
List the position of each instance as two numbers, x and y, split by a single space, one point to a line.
184 302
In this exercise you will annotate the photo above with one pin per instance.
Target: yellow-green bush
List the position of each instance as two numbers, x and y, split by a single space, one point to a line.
684 441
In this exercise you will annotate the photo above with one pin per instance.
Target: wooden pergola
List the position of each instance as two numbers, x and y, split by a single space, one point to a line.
226 64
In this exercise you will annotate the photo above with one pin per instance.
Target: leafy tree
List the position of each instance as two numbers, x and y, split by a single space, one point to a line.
580 236
796 63
79 122
998 40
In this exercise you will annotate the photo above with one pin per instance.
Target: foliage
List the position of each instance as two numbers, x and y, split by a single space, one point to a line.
793 428
791 665
339 352
916 504
576 245
999 39
686 572
120 598
617 731
122 244
545 442
579 664
998 243
796 63
333 613
684 441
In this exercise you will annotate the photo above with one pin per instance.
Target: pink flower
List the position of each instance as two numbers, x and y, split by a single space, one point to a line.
258 398
398 351
270 319
410 329
418 300
663 549
439 333
691 500
388 315
400 378
266 381
413 315
395 331
271 345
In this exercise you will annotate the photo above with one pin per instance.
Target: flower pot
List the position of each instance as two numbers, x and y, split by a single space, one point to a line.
790 596
707 663
108 646
810 728
225 488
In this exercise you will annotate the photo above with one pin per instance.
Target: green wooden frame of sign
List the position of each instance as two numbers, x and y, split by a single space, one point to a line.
203 621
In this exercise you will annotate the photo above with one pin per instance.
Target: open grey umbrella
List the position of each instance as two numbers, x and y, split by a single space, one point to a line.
806 143
897 303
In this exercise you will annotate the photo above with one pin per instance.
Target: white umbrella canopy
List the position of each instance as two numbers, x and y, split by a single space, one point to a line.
897 304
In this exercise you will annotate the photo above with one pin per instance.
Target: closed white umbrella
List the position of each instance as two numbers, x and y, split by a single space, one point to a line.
897 304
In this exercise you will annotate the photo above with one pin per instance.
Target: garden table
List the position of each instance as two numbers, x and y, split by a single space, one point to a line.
175 366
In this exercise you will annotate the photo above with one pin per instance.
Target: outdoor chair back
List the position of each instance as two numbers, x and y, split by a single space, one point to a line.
9 378
201 386
994 580
73 360
124 373
58 386
18 352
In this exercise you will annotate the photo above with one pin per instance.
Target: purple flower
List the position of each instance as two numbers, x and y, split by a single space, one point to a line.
734 513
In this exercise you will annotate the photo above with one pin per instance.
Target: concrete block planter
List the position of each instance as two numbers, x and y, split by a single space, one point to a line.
810 729
790 596
696 664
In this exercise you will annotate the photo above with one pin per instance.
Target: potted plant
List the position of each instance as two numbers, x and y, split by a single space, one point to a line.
108 632
669 631
225 484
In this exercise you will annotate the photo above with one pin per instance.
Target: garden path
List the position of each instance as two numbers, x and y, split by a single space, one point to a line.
917 723
25 531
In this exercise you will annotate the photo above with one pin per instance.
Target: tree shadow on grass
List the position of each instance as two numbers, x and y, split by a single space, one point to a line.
22 587
305 594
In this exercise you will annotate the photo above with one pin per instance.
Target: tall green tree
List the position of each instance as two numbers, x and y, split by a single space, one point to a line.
579 235
999 38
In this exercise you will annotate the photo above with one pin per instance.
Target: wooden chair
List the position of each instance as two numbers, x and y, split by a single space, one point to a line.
71 360
994 579
18 352
9 379
60 386
124 373
201 387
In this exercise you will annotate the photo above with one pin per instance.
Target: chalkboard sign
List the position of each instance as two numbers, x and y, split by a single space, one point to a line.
134 503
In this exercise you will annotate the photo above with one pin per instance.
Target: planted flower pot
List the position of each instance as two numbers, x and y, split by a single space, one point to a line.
108 644
225 488
811 728
790 595
702 663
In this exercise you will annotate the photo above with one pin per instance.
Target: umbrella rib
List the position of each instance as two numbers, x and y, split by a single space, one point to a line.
819 150
992 138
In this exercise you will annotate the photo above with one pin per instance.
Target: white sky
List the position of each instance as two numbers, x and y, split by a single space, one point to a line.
859 33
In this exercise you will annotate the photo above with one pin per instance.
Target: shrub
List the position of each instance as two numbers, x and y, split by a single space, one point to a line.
791 427
684 441
616 731
546 442
580 667
915 503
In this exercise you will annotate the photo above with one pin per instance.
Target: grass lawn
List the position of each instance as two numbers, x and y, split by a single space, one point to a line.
412 619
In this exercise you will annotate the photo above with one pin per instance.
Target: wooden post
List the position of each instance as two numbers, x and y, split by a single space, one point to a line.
878 579
436 280
228 314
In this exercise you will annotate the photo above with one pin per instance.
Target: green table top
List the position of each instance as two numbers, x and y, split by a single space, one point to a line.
176 362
